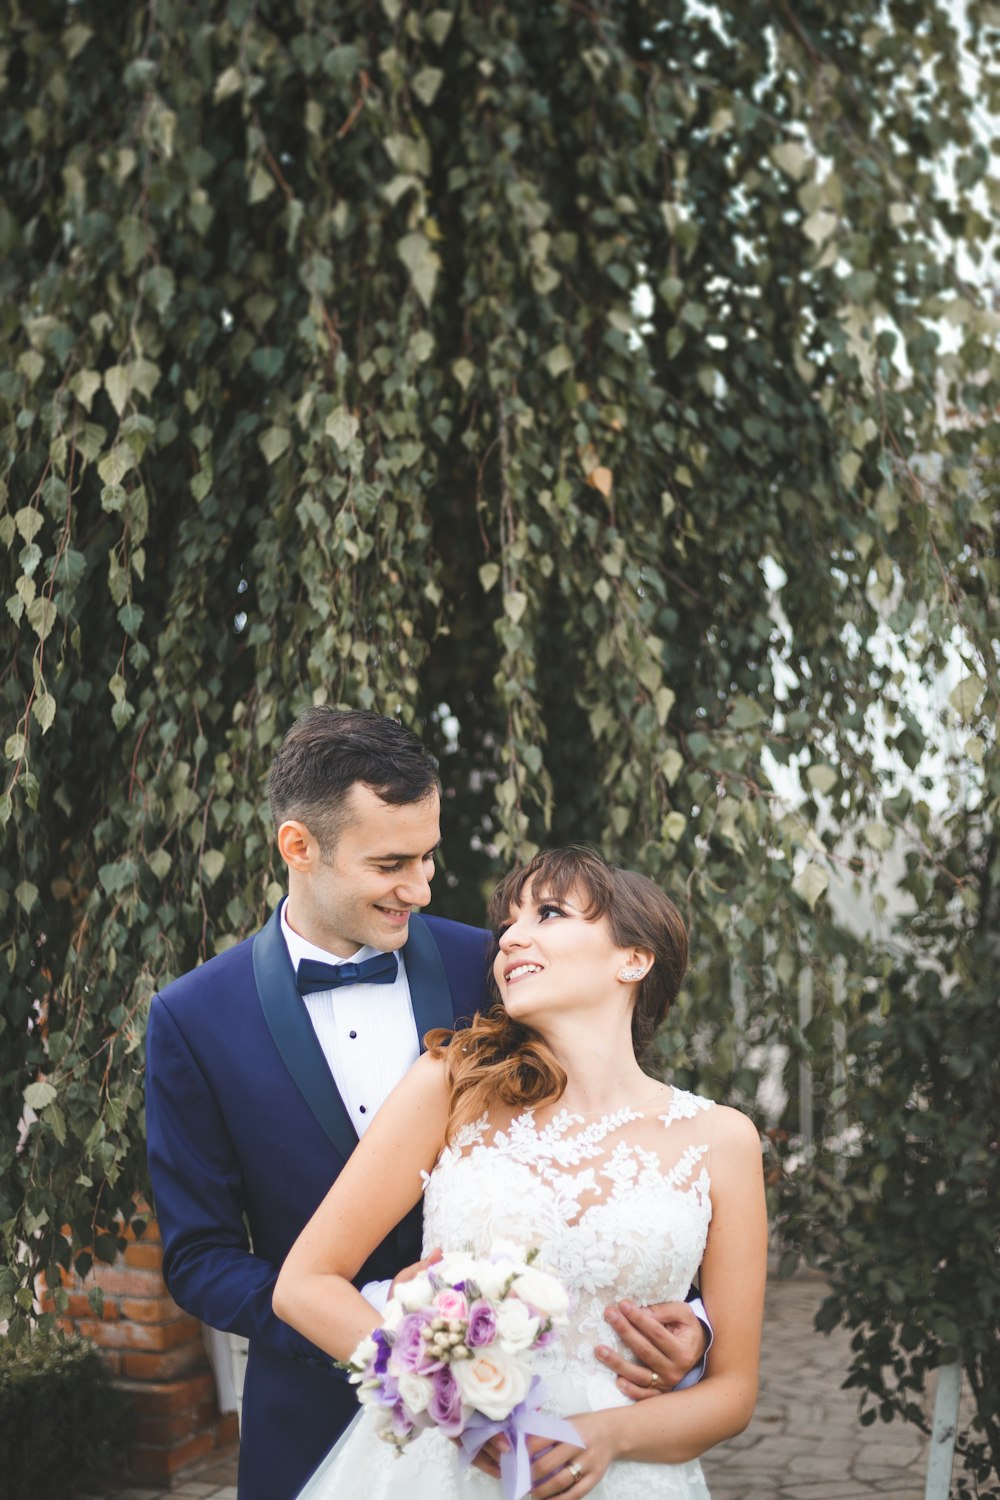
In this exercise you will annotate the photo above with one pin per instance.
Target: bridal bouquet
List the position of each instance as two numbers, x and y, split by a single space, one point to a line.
455 1352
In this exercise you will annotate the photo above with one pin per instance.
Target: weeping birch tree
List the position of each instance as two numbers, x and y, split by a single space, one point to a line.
608 391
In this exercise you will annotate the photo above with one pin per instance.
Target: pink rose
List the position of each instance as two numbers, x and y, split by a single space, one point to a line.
451 1304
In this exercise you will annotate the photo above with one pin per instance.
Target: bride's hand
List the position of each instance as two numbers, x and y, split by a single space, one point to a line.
567 1471
487 1460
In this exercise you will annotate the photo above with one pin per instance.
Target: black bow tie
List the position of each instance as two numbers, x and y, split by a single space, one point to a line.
312 975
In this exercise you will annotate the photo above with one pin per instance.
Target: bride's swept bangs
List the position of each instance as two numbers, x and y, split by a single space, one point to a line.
498 1058
555 873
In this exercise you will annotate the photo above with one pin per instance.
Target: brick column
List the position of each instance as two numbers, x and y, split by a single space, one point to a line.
157 1354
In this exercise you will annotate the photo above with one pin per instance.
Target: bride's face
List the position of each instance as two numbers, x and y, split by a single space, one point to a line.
553 961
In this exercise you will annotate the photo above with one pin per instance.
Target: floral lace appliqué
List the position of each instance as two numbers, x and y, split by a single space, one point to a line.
611 1216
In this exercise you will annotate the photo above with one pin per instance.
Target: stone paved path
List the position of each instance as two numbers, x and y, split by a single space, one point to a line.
804 1443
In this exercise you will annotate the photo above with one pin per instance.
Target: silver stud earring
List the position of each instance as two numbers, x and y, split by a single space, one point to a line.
629 974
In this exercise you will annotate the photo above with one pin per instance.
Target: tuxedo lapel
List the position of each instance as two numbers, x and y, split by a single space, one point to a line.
430 992
293 1035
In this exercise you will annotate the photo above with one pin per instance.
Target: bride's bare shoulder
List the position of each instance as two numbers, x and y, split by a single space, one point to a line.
424 1086
736 1145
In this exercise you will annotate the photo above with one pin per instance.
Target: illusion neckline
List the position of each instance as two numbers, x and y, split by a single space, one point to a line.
635 1111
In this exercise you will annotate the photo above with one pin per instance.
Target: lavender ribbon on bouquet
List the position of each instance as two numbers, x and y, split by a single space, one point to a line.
524 1421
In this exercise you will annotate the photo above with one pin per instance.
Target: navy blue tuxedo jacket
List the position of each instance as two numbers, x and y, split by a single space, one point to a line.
246 1132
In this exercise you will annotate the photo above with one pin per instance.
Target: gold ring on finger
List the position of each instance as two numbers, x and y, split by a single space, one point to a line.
654 1382
575 1470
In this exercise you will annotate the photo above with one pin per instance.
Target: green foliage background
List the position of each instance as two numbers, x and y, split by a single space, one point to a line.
598 389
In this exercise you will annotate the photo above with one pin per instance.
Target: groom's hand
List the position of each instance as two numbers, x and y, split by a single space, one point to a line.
666 1340
408 1272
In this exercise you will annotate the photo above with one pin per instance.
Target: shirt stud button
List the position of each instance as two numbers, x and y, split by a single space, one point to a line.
364 1111
353 1035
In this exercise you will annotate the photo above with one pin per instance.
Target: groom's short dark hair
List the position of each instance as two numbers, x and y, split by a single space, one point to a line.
328 750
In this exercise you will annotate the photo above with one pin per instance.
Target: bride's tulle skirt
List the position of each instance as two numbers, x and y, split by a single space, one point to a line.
361 1464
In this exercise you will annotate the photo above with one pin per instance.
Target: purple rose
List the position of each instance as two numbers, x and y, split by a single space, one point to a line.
402 1422
482 1327
545 1338
445 1405
410 1351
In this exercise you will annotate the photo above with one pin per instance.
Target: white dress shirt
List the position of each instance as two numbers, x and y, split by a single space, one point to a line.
366 1031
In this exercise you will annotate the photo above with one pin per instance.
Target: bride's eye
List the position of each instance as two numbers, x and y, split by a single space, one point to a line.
549 909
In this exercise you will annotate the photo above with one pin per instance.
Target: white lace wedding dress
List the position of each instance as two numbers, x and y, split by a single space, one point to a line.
618 1207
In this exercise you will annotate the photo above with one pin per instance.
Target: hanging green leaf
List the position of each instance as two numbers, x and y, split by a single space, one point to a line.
810 883
274 442
422 262
117 384
966 697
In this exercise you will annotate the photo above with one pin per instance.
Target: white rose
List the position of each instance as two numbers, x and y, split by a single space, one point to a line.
416 1390
493 1382
413 1294
506 1250
491 1280
542 1292
455 1266
516 1327
393 1314
364 1353
382 1417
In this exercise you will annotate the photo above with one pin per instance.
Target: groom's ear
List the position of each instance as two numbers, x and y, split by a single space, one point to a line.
296 845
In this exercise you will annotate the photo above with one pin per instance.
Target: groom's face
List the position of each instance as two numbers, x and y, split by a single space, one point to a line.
378 872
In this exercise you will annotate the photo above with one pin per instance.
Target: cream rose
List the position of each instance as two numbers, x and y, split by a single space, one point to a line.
493 1382
542 1292
516 1325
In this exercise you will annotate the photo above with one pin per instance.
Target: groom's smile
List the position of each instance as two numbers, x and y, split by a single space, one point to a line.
400 917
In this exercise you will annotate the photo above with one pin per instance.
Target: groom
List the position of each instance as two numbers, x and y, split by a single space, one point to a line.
265 1065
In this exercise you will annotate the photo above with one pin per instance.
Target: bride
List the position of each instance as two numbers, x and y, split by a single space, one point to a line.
538 1125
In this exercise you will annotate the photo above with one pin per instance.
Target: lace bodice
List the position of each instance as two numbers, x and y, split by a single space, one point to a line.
617 1207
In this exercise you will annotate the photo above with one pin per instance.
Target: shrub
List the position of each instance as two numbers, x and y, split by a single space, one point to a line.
62 1422
906 1223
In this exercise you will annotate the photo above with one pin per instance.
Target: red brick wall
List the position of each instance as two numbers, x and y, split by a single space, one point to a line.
157 1354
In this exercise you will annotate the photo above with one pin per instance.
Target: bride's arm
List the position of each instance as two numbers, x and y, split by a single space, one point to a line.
733 1274
380 1183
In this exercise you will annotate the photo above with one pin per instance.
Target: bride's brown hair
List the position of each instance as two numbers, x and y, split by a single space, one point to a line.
499 1058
